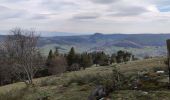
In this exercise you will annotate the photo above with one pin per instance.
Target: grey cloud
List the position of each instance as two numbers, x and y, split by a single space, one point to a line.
14 1
129 11
104 1
3 8
39 16
68 14
7 13
54 5
86 16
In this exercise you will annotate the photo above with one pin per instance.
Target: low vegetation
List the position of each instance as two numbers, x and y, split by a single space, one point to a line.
78 85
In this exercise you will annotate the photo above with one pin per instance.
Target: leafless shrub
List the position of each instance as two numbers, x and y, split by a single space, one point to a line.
57 65
22 54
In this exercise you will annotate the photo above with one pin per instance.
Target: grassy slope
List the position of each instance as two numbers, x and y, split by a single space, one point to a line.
57 89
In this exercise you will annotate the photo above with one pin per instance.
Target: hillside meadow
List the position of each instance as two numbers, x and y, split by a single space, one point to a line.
79 84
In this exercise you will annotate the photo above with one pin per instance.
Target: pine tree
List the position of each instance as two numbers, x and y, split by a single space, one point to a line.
120 56
113 58
127 56
56 53
71 57
104 59
50 57
90 59
86 60
100 58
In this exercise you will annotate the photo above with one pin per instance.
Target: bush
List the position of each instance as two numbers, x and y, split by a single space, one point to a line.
81 80
14 94
43 95
109 80
74 67
48 81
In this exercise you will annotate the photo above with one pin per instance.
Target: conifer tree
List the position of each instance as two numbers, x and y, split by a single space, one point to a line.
71 57
126 56
86 60
49 58
120 56
100 58
56 53
113 58
90 59
50 55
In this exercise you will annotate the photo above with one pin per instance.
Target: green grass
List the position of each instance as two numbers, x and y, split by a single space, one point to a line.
140 95
79 84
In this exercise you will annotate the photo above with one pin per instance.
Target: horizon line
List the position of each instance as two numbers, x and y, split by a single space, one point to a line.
55 33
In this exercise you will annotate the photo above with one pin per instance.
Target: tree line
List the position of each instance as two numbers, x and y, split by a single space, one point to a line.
59 63
21 60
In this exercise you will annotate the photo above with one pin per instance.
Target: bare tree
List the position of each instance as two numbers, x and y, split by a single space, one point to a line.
23 54
57 65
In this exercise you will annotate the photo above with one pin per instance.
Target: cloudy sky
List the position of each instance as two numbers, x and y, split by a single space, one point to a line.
87 16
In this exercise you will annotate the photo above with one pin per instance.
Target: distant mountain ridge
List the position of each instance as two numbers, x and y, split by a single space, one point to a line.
136 39
139 44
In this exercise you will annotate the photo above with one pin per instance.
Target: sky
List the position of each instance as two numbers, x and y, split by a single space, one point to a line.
87 16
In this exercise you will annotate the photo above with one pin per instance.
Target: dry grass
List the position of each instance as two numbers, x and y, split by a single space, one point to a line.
10 87
141 95
140 65
53 86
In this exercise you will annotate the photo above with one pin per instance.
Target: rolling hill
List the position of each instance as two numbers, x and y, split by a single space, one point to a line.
149 44
139 44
